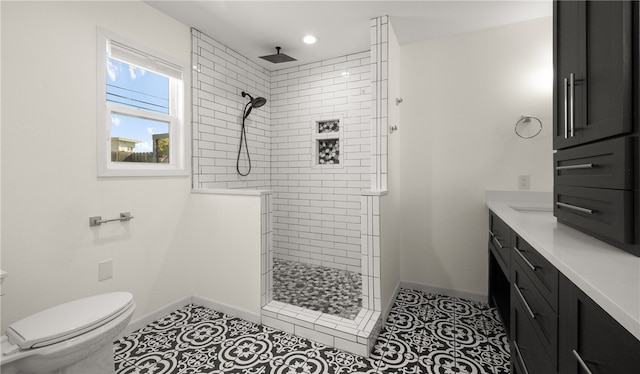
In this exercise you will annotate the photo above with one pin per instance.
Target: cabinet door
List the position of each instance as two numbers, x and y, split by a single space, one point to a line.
590 337
568 52
608 70
593 71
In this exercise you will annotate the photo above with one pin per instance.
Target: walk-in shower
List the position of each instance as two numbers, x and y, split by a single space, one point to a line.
317 164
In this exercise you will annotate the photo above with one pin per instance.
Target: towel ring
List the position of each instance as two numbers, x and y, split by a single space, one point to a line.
526 120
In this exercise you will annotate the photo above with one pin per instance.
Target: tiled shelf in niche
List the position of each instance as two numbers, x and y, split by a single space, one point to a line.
328 151
328 126
327 136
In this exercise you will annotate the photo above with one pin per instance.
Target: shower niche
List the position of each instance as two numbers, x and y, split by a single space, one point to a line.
327 136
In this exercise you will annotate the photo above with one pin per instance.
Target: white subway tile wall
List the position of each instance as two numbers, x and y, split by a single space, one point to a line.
379 99
266 252
219 75
317 206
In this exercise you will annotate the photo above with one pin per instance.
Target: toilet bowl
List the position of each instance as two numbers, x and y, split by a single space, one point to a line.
72 338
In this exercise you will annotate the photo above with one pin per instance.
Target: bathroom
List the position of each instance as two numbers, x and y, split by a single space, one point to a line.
454 141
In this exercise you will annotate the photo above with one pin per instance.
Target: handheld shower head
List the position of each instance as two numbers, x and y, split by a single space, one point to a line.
253 103
258 102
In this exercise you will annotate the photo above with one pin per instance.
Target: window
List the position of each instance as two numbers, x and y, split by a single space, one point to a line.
141 100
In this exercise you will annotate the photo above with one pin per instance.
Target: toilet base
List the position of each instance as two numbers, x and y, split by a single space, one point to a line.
99 362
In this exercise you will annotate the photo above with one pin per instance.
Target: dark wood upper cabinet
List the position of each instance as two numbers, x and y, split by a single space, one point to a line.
596 113
593 62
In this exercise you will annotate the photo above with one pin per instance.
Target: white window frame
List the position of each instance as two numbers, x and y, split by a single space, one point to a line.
111 45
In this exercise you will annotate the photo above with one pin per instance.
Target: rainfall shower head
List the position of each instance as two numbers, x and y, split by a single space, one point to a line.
278 57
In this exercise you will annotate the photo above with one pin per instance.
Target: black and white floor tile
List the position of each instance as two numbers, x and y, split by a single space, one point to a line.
319 288
424 333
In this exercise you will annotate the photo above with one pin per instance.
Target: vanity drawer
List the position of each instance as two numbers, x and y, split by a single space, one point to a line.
528 355
601 212
543 275
606 164
500 241
542 317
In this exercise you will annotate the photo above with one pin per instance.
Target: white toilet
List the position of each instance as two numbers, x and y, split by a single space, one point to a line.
72 338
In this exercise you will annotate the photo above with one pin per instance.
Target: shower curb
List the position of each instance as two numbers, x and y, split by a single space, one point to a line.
356 336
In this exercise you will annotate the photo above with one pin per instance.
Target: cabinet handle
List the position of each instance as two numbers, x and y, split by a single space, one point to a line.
532 266
491 233
524 301
515 345
572 89
579 166
497 242
566 109
576 208
581 362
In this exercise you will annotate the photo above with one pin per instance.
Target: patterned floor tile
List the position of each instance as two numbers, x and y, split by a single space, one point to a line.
424 333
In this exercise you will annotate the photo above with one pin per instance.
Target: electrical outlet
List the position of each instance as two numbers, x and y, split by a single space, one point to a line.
524 182
105 270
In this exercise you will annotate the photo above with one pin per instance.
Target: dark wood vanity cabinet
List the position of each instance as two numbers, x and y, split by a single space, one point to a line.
553 326
590 341
596 115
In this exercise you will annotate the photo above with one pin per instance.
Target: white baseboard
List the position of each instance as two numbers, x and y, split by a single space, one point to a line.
228 309
444 291
141 322
256 317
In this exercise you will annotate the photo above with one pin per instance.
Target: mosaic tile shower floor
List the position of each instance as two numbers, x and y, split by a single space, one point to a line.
424 333
318 288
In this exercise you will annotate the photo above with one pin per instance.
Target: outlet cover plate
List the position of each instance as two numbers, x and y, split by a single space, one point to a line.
105 270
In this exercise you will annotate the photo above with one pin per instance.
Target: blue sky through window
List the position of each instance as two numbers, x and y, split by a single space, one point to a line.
139 88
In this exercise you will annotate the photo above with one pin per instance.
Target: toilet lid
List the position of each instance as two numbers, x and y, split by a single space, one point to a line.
68 320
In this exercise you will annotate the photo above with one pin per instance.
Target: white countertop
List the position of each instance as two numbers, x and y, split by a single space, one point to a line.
608 275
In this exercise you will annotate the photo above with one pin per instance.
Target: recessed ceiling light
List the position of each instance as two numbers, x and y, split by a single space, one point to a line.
310 39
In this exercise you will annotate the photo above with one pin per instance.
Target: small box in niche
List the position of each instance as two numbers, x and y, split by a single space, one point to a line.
328 151
328 126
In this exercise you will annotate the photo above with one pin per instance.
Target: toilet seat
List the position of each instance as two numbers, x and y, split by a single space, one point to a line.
68 320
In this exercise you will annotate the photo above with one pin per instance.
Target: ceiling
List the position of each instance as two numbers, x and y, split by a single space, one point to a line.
255 28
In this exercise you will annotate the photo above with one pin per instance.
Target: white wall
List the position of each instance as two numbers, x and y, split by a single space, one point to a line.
48 192
389 213
462 96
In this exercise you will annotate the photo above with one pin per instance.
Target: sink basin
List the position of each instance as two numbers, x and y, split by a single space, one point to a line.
532 209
